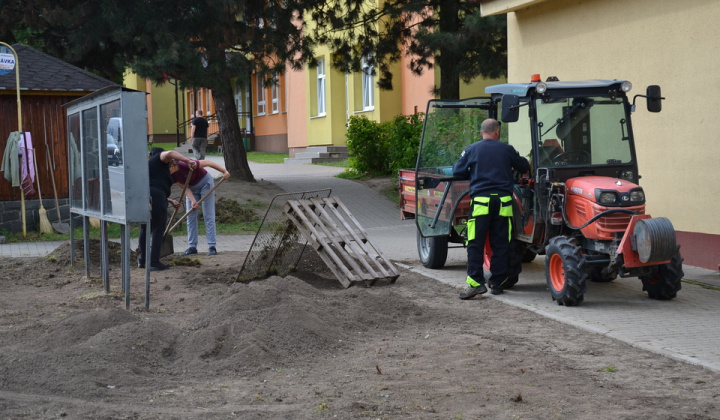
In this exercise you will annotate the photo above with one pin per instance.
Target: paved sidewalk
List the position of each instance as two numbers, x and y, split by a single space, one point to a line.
684 328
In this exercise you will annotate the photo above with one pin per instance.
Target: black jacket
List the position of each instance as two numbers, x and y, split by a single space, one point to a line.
488 164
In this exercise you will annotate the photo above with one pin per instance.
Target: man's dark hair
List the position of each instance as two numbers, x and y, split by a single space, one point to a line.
155 150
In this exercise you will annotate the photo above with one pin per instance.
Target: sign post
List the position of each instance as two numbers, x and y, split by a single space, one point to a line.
9 62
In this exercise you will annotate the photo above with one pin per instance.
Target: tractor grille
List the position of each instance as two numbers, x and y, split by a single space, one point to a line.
616 222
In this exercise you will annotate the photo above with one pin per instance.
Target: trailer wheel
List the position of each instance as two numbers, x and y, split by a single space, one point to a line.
432 250
564 271
665 280
528 255
516 256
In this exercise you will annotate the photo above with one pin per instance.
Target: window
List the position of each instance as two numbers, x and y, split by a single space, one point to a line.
275 94
207 102
321 87
260 96
367 85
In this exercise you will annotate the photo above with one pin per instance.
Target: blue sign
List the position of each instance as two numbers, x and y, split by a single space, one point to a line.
7 60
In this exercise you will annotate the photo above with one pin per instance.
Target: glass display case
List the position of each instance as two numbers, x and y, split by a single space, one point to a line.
108 172
107 139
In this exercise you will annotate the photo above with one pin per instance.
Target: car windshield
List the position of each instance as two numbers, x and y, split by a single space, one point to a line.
583 131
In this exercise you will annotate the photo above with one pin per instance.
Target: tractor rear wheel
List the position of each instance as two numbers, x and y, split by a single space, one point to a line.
665 280
432 250
564 271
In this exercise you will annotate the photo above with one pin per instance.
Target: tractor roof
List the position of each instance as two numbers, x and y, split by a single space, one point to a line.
522 89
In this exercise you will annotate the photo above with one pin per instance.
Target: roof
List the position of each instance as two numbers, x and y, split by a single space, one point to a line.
43 72
521 89
498 7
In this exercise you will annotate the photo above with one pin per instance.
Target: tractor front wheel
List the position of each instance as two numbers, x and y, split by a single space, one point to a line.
432 250
564 271
665 280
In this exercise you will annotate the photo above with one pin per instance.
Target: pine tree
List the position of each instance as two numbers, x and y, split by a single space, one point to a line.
448 34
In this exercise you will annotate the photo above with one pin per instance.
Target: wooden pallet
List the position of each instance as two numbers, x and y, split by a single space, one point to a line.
340 241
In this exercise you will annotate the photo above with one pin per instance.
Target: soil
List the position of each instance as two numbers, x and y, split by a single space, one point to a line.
303 346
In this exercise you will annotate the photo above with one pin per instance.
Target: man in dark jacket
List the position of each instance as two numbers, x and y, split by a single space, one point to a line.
198 135
488 164
160 186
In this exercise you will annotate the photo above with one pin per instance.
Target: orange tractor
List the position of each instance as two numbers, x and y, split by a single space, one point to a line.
580 206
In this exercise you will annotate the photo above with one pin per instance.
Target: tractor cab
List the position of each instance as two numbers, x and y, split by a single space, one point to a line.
580 204
579 140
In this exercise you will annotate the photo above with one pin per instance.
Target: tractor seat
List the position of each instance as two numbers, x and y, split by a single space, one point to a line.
552 148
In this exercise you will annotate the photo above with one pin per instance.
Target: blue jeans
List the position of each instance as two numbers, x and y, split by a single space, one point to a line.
199 190
198 145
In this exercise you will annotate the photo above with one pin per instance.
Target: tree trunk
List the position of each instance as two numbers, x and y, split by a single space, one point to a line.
449 22
235 154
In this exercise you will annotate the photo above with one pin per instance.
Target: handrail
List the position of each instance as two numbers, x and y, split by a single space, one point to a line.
213 127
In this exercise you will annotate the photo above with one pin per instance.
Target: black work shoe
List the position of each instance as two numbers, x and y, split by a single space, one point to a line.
158 266
471 292
212 251
191 250
496 290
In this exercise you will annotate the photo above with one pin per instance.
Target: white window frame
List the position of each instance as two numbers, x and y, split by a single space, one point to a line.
321 87
207 102
260 96
368 86
275 94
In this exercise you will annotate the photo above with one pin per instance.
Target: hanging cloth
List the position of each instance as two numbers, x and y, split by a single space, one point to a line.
27 165
10 162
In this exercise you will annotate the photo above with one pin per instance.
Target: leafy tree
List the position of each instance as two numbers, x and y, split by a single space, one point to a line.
207 43
449 34
200 43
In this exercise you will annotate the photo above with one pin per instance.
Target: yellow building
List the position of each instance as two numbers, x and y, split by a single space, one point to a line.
668 43
166 109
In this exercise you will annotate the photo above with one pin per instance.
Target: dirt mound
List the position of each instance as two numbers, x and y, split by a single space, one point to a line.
302 346
61 254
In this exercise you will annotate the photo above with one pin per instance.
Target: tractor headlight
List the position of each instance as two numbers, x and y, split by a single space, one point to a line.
626 86
607 197
637 196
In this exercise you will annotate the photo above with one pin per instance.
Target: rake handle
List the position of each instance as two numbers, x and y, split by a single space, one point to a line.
192 209
187 181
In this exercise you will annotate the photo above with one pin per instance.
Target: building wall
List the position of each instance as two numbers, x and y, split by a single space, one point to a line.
647 42
327 129
297 110
270 128
162 119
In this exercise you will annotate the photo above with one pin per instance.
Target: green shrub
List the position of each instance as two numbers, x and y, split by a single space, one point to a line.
382 148
367 143
404 139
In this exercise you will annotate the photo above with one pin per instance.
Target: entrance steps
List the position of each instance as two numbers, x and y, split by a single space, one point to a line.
320 154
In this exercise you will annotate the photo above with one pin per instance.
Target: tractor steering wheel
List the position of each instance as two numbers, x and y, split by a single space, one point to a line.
575 157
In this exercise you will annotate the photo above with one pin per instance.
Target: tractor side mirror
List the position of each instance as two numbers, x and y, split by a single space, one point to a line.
510 108
654 98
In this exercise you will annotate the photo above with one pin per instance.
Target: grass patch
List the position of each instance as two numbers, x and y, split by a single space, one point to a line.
257 157
354 175
703 285
231 218
341 164
262 157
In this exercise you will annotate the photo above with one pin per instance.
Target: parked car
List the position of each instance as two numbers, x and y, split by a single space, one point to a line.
113 152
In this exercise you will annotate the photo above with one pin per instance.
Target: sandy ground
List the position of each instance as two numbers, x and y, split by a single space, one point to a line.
303 346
